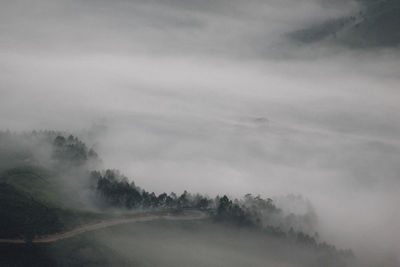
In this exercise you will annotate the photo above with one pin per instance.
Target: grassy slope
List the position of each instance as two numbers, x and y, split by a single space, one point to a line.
21 215
32 204
35 182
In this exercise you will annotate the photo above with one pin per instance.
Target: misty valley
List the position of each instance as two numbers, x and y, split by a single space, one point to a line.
186 133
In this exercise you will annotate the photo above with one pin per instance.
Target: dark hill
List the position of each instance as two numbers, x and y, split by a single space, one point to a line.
377 24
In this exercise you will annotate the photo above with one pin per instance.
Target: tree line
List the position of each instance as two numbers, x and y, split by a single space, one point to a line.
114 190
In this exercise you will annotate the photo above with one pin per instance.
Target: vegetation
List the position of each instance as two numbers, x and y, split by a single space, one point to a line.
31 208
34 197
37 196
71 150
113 189
23 216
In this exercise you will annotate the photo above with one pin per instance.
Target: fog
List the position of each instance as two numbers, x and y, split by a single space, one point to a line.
211 97
205 244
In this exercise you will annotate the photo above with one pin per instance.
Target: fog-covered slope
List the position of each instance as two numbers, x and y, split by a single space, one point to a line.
172 243
376 24
57 191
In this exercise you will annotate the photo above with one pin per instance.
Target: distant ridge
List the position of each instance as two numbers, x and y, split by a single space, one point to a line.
377 24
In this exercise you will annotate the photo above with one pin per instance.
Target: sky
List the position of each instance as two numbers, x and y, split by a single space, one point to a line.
212 97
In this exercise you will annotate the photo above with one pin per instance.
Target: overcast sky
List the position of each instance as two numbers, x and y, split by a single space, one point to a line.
211 96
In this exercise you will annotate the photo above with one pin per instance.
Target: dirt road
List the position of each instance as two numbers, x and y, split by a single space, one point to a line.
188 216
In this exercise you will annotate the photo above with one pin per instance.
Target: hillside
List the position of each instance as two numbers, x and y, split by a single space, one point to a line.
36 195
60 192
32 205
377 24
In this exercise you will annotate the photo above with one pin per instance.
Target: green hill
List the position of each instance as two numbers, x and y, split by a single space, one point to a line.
40 183
32 204
23 216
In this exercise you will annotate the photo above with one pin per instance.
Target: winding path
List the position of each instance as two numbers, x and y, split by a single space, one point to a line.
188 216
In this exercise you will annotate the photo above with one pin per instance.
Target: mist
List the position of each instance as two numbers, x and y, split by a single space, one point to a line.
204 244
212 97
